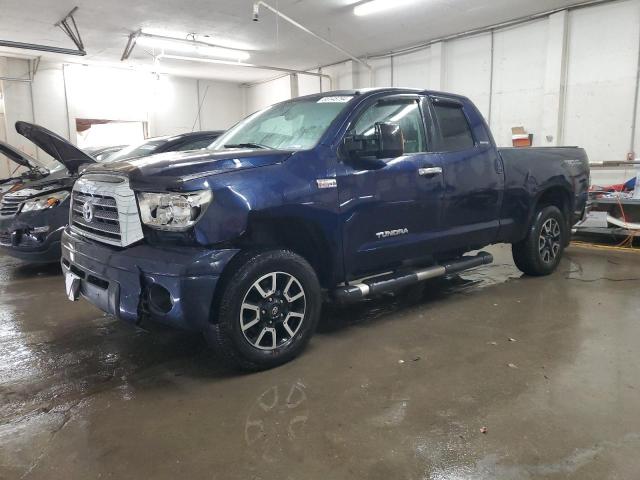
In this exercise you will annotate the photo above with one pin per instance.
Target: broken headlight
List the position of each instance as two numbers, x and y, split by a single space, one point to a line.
173 211
44 201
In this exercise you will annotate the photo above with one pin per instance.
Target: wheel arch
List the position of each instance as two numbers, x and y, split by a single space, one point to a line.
555 195
302 236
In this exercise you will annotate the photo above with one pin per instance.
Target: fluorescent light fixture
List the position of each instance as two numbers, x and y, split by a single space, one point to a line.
185 45
376 6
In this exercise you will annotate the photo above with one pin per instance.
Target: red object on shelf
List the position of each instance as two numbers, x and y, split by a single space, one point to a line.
521 138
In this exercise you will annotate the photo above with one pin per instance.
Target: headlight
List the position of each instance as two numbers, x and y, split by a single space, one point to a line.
173 211
44 201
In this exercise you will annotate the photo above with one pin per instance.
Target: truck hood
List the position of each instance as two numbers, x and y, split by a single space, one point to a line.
173 168
60 149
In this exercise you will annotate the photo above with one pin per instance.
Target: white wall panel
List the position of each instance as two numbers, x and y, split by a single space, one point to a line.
381 73
467 69
603 54
223 105
265 94
308 85
342 76
412 70
173 106
520 55
50 105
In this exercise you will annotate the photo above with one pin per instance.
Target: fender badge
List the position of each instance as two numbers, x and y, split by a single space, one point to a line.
392 233
327 183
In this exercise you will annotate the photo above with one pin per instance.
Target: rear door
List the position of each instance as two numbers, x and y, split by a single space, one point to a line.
391 214
473 175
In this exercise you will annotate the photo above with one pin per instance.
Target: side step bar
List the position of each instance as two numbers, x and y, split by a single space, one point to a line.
398 280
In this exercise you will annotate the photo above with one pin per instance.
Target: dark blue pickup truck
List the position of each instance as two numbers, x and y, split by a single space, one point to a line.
334 196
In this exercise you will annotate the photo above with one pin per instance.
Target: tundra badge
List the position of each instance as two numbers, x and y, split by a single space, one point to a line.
392 233
327 183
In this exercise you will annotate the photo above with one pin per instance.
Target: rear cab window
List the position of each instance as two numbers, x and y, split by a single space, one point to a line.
454 131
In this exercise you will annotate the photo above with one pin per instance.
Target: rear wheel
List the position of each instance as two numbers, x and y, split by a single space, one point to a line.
541 251
268 311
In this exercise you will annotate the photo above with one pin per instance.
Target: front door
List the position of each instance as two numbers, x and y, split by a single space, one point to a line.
391 214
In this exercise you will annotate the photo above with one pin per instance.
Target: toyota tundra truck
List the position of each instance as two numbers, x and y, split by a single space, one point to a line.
330 197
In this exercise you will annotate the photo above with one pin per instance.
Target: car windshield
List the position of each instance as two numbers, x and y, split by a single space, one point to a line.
294 125
138 150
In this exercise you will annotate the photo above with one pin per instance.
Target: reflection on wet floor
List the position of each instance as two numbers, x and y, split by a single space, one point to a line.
394 387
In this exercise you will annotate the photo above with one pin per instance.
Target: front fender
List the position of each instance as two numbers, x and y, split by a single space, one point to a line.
225 219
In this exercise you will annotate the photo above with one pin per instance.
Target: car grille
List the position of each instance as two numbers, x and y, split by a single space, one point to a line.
10 205
104 208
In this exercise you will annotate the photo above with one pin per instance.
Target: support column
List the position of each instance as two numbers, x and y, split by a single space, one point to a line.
295 88
555 82
18 104
437 67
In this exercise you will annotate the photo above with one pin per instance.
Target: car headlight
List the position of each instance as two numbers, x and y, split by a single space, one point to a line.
173 211
43 202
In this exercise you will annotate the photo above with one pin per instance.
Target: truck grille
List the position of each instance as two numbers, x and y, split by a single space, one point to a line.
10 205
104 208
104 217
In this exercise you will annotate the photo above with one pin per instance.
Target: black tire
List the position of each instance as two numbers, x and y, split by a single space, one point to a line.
238 339
541 251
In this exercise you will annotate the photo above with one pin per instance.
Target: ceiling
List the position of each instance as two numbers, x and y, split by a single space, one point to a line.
105 26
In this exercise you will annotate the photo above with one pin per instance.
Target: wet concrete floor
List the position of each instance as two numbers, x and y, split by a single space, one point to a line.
395 388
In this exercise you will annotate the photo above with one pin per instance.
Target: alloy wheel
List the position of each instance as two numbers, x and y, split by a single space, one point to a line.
273 310
550 240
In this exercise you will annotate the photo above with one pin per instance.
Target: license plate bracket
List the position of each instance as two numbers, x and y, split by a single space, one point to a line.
72 286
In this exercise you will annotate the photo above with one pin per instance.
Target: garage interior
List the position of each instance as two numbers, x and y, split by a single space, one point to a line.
483 374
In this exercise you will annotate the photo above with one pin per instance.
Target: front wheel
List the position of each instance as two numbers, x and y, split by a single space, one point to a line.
540 252
268 310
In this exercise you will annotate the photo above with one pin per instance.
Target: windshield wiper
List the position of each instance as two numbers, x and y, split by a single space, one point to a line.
247 145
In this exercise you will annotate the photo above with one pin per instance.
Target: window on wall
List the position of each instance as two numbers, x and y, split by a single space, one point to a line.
405 113
93 133
455 131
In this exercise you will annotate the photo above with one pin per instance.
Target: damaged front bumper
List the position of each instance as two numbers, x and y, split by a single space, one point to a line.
170 285
35 236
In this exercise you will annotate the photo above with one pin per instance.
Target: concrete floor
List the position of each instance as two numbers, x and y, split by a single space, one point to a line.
397 388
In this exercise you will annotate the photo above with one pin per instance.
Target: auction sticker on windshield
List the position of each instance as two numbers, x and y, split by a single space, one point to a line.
338 99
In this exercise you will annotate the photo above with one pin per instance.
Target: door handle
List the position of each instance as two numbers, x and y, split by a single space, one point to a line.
430 171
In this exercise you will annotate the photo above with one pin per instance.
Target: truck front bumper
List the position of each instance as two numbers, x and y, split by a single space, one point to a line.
170 285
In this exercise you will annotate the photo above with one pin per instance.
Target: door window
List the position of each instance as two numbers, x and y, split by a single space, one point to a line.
406 114
455 132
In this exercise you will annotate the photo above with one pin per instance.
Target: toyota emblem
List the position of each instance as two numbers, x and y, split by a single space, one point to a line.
87 212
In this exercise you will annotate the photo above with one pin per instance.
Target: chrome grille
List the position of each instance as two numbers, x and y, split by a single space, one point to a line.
112 215
10 205
104 221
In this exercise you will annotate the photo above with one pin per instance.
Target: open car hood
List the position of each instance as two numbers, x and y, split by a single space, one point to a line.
56 146
18 157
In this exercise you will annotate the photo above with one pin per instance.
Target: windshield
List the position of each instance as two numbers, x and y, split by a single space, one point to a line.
139 150
294 125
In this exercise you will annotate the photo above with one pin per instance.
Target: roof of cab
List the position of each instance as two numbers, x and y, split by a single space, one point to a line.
377 90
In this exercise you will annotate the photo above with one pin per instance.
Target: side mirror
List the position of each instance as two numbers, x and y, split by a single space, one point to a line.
367 152
390 140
